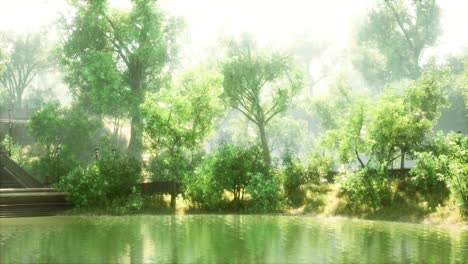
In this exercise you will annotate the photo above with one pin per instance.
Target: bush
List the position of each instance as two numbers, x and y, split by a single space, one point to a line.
264 192
201 187
84 187
444 166
365 187
131 203
458 184
318 168
47 166
17 153
293 177
109 182
429 176
169 166
232 167
229 168
120 174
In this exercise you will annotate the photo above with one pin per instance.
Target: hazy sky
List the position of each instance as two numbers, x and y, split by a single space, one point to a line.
280 21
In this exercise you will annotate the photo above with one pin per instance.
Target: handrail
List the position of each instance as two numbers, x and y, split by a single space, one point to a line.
19 173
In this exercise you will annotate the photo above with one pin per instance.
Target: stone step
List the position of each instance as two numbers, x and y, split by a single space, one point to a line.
9 185
29 210
31 197
27 190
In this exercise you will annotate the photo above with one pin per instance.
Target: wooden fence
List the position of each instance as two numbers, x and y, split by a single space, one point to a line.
164 187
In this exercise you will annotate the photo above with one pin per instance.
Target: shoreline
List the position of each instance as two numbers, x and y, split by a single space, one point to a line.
458 226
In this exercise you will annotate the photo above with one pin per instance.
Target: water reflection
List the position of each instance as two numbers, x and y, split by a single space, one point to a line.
225 239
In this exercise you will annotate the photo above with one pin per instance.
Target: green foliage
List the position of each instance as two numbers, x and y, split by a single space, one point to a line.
112 58
264 192
127 204
5 100
169 166
55 126
350 139
202 188
232 167
430 171
121 173
109 183
393 37
178 121
444 165
27 58
319 165
286 132
454 116
48 168
293 174
401 123
365 188
17 153
392 127
229 168
84 187
4 56
258 84
429 176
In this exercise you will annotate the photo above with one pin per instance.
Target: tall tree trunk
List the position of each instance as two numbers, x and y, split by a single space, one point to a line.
19 101
135 147
265 148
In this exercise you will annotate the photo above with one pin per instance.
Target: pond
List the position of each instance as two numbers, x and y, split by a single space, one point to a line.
225 239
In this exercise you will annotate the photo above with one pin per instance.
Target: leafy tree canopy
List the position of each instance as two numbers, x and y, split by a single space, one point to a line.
393 37
113 57
396 124
26 58
259 84
178 121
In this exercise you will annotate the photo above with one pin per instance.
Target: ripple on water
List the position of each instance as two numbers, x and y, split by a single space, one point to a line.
226 239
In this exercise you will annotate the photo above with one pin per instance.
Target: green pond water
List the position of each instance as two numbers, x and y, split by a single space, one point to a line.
225 239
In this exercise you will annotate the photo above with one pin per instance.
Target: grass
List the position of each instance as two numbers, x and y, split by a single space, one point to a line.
406 206
326 200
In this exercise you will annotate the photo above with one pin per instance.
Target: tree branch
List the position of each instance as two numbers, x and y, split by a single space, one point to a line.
400 24
246 115
114 43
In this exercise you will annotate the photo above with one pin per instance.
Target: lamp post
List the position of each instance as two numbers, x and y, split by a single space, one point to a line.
96 151
59 152
10 132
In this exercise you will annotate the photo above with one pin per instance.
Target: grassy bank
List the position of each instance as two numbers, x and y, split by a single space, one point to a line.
406 206
322 201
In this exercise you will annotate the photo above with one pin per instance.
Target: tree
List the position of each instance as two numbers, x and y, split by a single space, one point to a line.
306 52
396 125
453 118
3 54
28 57
178 120
393 37
258 84
442 165
113 57
228 167
350 138
54 126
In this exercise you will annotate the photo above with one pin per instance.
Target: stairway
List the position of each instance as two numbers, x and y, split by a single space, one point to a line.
21 202
7 181
22 195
